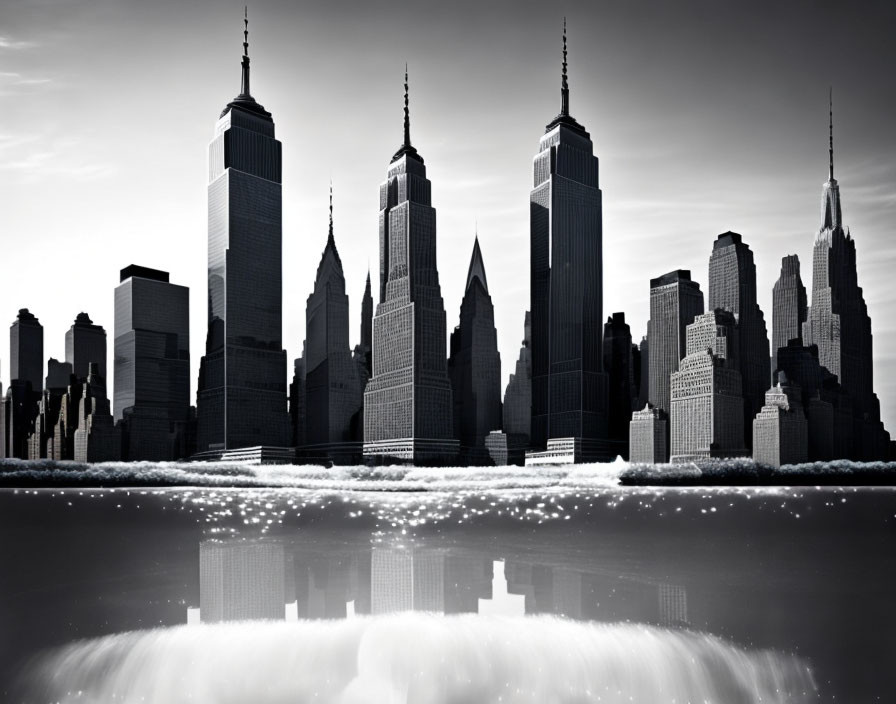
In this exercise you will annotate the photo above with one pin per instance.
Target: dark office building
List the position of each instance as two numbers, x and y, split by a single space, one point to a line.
407 404
788 307
26 350
732 287
96 438
297 402
242 379
569 387
365 349
475 366
85 342
619 366
26 355
152 364
517 410
332 387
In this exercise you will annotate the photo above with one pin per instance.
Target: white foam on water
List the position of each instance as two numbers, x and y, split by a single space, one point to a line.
418 658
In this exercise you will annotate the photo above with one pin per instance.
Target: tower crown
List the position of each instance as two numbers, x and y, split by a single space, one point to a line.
564 118
406 149
244 100
477 268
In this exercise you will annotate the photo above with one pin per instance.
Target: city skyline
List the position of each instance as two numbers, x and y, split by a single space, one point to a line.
789 221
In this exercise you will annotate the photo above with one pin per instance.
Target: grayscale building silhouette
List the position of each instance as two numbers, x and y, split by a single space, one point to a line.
569 386
675 301
41 443
648 436
707 398
241 398
96 438
297 402
152 365
517 411
839 325
474 366
788 307
26 350
619 364
85 342
732 287
407 403
644 374
26 355
365 348
780 429
332 384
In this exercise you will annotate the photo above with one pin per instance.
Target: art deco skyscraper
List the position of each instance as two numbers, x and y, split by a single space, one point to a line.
152 364
569 386
619 365
474 366
732 287
332 387
675 301
85 342
780 430
838 322
788 307
242 378
366 346
407 404
517 410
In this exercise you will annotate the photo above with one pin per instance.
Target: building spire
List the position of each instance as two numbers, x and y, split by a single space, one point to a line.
831 134
330 237
407 111
244 90
564 88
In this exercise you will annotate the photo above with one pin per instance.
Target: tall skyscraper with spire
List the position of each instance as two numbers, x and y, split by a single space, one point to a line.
332 386
408 403
242 379
569 386
838 322
474 366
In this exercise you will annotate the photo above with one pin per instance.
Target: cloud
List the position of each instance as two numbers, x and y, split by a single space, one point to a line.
15 44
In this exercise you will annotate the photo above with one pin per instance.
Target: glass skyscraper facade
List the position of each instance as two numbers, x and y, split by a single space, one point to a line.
242 378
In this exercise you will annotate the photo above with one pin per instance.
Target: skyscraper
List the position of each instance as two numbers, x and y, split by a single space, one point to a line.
474 366
569 387
619 366
152 364
780 430
26 350
788 307
242 379
675 301
26 355
366 346
838 322
707 400
85 342
96 438
407 403
332 387
732 287
517 411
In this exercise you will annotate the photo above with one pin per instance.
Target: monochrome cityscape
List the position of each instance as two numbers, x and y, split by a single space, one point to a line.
701 382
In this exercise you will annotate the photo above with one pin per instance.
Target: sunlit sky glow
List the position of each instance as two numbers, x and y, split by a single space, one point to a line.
706 117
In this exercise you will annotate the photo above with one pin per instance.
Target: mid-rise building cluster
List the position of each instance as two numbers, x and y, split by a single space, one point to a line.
702 383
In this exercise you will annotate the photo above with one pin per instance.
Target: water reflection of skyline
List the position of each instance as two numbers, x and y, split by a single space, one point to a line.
282 579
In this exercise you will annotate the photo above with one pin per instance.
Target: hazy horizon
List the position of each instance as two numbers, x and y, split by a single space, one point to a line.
706 117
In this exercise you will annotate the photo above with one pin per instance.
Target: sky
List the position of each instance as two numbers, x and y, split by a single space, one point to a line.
706 117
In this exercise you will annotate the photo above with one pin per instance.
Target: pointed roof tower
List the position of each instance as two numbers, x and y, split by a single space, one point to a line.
406 149
831 214
477 267
330 252
564 117
245 100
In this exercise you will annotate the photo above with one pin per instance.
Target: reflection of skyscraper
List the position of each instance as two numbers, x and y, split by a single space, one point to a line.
421 579
407 403
242 580
569 387
242 379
